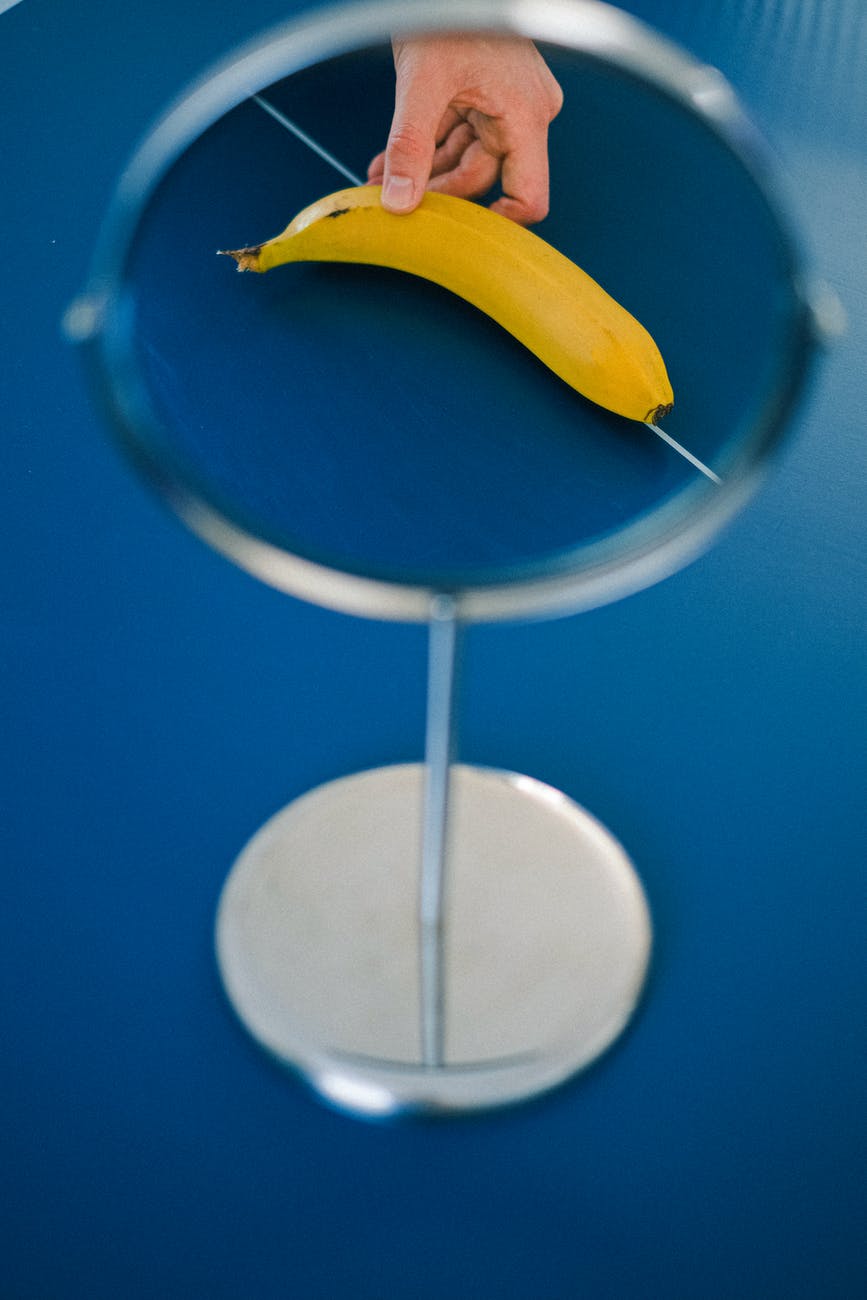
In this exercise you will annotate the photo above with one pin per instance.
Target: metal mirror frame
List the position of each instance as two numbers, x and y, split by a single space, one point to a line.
594 574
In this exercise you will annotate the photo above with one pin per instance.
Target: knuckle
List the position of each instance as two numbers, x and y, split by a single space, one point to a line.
555 100
530 206
536 209
408 141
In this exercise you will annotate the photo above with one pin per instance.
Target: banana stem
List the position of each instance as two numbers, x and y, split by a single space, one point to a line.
440 748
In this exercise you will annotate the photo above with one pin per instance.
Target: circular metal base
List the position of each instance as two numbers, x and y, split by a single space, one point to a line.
547 940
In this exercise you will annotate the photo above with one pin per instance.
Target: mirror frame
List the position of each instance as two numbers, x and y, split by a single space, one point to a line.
593 574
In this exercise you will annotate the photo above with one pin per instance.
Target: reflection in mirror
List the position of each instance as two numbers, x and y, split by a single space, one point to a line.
373 421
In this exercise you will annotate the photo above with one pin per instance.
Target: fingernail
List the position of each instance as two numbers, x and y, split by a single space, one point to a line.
398 193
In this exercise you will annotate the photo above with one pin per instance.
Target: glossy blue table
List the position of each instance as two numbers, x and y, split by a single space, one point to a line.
158 705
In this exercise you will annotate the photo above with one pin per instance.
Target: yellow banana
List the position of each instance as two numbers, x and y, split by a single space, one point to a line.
547 302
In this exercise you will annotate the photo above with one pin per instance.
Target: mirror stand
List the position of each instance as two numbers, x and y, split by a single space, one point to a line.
433 937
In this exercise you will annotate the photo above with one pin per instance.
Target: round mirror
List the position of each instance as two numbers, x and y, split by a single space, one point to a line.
363 437
387 435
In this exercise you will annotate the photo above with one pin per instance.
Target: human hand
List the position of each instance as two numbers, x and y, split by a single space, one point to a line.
469 109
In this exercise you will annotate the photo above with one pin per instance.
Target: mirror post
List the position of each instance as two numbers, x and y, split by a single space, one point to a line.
440 749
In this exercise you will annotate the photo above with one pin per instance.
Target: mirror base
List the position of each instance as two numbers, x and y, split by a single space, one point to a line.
546 948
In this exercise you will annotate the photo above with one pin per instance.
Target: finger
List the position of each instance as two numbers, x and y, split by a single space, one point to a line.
450 120
525 180
450 151
376 168
418 112
473 175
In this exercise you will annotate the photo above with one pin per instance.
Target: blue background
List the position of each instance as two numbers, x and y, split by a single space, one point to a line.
158 705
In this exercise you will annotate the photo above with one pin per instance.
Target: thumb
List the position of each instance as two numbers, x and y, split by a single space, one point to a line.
411 144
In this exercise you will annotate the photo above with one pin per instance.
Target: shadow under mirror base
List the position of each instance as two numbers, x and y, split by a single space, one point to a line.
546 945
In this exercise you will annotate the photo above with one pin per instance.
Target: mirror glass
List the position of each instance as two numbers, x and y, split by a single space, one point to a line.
376 424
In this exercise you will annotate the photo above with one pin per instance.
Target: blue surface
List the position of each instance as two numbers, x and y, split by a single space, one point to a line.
158 705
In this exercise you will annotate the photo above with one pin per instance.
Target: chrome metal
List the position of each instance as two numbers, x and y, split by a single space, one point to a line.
440 748
548 941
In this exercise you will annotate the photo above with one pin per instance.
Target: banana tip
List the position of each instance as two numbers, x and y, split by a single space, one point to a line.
659 412
247 258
